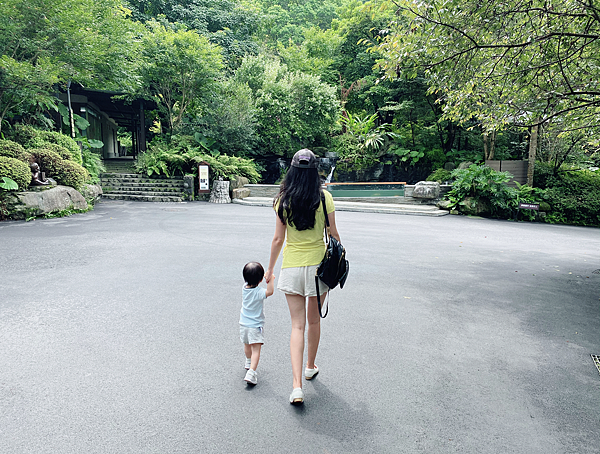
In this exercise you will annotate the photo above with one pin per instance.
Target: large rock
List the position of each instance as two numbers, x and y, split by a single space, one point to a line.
238 182
30 203
474 206
91 192
426 190
240 193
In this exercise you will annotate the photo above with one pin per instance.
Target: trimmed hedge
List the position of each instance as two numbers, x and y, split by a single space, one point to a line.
49 161
11 149
30 137
16 170
72 174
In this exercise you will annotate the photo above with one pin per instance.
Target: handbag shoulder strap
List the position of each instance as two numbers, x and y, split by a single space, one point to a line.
327 232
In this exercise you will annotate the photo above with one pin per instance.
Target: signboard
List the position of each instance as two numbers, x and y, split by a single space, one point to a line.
203 178
529 206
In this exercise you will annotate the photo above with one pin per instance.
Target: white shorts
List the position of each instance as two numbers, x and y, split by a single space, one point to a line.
252 335
300 281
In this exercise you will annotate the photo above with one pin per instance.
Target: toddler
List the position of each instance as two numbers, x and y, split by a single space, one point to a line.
252 317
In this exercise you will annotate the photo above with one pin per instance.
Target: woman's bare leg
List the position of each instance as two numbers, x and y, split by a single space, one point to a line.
296 304
314 329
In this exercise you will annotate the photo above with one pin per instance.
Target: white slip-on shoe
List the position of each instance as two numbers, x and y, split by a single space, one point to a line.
248 363
251 377
297 396
309 374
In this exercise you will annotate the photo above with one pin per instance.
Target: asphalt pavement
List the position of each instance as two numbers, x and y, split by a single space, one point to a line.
119 334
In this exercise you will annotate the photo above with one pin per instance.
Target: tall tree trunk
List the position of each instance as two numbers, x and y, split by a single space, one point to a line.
492 145
486 141
533 142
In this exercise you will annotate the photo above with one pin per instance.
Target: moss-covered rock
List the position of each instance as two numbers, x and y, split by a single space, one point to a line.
16 170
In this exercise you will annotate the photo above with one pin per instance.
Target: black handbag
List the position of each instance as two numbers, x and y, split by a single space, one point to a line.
334 267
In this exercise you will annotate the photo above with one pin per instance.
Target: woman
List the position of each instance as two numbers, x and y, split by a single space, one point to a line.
300 217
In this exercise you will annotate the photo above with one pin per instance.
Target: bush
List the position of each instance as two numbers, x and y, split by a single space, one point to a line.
63 141
481 186
16 170
575 198
60 150
11 149
49 161
92 162
183 156
440 175
71 174
30 137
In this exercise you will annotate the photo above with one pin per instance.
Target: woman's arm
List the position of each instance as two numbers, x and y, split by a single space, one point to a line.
276 246
332 227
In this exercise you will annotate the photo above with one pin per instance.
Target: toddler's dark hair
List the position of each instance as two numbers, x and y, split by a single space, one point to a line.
253 273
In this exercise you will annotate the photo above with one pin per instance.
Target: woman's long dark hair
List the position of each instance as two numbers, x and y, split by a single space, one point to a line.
299 197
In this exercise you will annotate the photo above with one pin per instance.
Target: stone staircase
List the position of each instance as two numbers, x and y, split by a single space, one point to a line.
135 187
119 165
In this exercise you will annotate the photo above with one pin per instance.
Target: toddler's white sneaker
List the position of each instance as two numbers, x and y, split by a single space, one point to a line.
251 377
297 396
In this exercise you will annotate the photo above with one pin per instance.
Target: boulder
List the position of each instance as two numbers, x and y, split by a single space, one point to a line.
91 192
426 190
474 207
34 203
443 204
238 182
240 193
465 165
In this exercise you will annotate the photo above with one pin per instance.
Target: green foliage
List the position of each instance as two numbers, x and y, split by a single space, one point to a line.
61 151
12 149
71 174
8 184
294 110
483 185
179 68
49 161
501 62
573 195
440 175
16 170
92 162
182 156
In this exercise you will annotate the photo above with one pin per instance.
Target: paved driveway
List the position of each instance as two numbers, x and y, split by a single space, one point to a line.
118 334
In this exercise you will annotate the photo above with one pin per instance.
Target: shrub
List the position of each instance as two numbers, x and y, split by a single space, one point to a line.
11 149
183 156
575 198
49 161
61 151
16 170
92 163
63 141
71 174
482 186
30 137
440 175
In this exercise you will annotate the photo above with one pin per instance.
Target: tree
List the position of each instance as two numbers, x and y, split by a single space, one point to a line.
502 62
294 110
179 68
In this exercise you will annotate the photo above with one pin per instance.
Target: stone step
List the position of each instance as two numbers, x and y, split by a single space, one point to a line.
365 207
144 189
129 183
142 198
144 193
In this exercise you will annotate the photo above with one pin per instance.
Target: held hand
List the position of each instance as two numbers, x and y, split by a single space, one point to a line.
269 275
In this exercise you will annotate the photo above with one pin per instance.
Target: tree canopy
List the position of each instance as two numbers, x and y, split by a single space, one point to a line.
501 62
